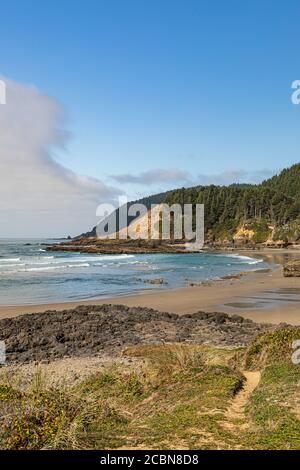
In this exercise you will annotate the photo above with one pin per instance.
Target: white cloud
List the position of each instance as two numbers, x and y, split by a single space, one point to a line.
41 197
155 176
175 176
234 176
38 195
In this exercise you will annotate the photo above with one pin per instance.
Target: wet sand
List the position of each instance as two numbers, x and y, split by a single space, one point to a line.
260 296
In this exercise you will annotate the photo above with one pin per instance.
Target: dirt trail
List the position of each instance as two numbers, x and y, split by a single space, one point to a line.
237 408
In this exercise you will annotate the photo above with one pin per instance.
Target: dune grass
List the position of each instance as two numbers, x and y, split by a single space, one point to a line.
174 396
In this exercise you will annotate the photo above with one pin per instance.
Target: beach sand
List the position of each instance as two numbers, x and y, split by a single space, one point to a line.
263 296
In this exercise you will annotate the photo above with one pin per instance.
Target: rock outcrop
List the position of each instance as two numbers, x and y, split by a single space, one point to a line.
292 269
108 329
157 281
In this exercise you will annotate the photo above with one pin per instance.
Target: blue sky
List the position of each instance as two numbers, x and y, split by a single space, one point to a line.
196 87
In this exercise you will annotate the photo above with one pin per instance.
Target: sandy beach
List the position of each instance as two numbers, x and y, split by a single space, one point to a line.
263 296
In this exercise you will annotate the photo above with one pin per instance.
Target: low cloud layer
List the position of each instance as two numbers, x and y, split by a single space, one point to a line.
38 195
151 177
234 176
177 176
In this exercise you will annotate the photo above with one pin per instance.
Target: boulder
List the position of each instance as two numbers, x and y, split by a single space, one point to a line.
155 281
292 269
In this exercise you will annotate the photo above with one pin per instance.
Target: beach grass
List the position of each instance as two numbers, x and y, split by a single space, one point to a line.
167 396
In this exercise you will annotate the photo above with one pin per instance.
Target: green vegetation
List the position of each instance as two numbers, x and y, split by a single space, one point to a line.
8 393
170 396
274 202
274 406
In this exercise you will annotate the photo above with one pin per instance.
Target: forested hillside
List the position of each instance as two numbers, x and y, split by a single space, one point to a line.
269 208
266 211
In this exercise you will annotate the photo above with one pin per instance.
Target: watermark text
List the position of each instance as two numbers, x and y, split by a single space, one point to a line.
159 222
2 92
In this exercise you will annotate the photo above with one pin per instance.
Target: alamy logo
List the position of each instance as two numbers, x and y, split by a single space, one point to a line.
159 222
2 352
2 92
296 353
296 94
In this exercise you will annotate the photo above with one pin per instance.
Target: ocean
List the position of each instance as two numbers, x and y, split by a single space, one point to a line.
31 275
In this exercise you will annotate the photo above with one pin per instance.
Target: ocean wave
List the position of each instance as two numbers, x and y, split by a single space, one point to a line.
60 262
80 265
108 257
87 259
8 260
136 262
248 259
5 266
62 266
46 268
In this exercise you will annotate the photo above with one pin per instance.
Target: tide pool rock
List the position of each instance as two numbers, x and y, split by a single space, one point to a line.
292 269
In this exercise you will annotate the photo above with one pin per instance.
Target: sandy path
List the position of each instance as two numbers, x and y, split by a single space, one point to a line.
236 410
237 407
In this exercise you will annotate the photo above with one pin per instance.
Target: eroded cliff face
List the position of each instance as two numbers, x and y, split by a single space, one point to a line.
244 233
257 232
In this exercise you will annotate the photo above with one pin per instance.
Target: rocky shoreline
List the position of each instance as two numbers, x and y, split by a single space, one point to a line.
96 245
107 329
109 247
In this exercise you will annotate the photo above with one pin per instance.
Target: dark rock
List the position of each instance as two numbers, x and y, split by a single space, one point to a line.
292 269
155 281
89 330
